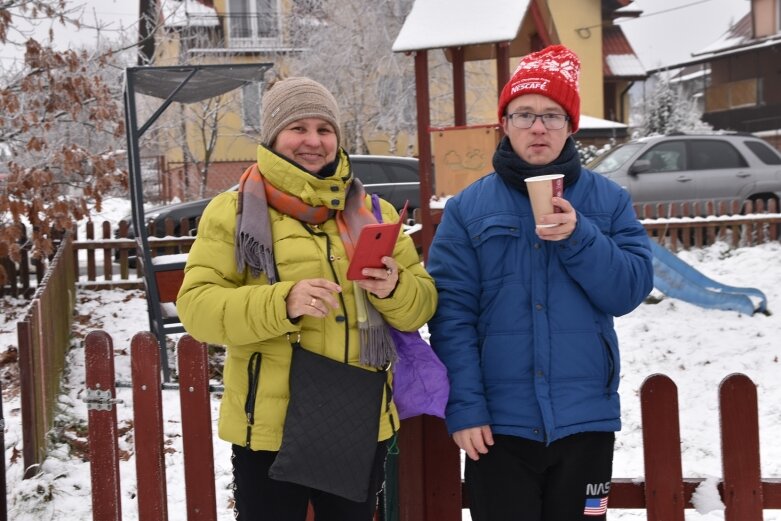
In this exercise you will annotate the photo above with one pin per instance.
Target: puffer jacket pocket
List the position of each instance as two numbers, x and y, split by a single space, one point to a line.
612 364
496 238
253 382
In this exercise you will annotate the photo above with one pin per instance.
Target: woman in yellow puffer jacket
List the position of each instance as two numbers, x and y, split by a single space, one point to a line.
269 262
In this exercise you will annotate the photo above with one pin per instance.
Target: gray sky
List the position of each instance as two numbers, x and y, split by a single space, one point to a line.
670 30
113 15
667 33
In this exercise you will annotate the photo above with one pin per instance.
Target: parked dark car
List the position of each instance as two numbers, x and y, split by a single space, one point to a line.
395 179
694 167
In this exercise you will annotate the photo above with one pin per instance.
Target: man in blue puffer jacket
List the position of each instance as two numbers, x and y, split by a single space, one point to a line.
525 316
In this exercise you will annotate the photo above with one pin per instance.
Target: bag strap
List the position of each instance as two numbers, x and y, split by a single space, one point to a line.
376 207
388 389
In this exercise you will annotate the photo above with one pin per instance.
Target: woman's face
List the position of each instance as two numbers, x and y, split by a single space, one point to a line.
310 142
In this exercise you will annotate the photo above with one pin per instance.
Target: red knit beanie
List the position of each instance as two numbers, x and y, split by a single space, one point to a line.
552 72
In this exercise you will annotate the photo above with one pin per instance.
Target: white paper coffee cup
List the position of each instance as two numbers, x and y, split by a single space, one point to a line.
542 189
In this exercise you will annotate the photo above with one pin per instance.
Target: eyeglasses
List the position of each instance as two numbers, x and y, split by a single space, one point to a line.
527 119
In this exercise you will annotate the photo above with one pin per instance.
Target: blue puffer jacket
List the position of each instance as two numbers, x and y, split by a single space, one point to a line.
525 326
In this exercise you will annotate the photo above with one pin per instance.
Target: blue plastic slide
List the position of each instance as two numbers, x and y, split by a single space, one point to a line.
677 279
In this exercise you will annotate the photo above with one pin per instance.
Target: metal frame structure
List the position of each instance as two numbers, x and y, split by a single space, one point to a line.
182 84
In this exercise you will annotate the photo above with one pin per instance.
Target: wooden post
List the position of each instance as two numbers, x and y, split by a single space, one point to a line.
102 417
740 449
3 493
108 260
502 66
442 472
196 429
91 270
29 392
459 86
412 497
148 432
664 494
424 148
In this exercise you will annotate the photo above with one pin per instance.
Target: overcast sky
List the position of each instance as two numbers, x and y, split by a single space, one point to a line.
670 30
114 16
667 33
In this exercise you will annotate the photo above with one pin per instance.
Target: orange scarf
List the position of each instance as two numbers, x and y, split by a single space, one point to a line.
254 247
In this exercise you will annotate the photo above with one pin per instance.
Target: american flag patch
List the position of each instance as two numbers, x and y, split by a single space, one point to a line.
595 506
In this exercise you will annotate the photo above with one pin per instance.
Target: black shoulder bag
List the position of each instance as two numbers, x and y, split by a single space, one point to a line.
332 423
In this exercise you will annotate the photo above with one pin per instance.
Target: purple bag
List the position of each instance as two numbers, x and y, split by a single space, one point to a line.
420 384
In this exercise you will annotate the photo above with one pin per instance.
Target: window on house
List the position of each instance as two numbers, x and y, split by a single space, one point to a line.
250 104
253 19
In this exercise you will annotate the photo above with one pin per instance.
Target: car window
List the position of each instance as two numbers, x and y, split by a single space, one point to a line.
370 173
403 174
613 158
711 154
669 156
764 152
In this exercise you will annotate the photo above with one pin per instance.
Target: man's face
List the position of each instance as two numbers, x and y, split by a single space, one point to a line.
536 145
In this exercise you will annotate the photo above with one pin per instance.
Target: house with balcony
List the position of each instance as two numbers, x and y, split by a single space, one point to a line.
740 78
204 148
259 31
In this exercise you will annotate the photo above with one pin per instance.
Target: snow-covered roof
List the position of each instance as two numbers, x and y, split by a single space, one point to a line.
437 24
734 46
592 123
624 65
736 40
698 73
180 13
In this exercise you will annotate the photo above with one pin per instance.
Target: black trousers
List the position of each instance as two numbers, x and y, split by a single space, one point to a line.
524 480
259 498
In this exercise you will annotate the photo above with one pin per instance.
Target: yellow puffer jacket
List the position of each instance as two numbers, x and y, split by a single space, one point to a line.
219 305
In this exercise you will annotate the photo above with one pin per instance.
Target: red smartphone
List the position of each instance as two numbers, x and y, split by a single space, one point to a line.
374 242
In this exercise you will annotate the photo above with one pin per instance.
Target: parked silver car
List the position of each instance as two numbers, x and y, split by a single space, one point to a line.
694 167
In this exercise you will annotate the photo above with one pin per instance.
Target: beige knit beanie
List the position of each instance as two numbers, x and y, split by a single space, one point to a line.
292 99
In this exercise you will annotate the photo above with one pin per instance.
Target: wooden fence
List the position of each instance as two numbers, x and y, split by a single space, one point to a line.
693 225
104 257
44 338
423 494
23 276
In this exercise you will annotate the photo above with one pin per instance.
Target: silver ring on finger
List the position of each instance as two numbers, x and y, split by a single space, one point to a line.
313 302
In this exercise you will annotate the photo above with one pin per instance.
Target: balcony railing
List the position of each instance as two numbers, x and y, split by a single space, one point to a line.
733 95
242 30
252 29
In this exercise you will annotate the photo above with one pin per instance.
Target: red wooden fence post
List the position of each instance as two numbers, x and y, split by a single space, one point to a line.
102 417
664 494
196 429
148 431
108 259
740 449
411 495
442 476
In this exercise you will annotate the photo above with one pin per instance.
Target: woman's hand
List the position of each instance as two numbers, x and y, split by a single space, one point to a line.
382 281
313 297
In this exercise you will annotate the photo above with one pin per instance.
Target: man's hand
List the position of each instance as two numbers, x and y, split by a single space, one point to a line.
565 222
474 441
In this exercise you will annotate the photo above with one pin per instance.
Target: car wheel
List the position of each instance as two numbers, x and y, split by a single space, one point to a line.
768 201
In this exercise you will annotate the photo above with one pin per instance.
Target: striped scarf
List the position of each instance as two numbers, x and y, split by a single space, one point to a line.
254 250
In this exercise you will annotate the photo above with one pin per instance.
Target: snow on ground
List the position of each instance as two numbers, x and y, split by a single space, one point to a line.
697 348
